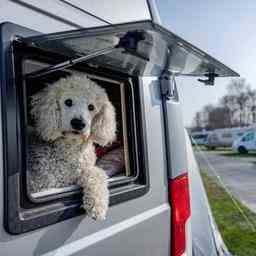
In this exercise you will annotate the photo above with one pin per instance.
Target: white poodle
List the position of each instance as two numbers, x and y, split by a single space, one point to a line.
71 115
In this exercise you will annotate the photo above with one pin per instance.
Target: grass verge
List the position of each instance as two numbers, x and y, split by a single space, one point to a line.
236 154
219 150
226 152
237 234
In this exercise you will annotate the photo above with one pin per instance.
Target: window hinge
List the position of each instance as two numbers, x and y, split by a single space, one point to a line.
168 87
211 79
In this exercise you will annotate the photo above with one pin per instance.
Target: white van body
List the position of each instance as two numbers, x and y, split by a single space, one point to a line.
245 143
142 213
225 137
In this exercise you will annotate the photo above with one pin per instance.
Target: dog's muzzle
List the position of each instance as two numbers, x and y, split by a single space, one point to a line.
77 124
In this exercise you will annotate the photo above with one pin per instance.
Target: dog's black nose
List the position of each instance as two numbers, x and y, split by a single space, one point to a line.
77 124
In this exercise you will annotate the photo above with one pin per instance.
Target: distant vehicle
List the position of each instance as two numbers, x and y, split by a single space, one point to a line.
199 138
245 143
225 137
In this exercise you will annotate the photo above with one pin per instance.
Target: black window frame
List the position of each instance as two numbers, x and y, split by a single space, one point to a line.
20 213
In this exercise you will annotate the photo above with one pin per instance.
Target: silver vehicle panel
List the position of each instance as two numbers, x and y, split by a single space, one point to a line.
205 235
129 220
137 227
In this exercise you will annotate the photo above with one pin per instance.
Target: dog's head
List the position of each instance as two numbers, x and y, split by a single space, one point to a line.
74 107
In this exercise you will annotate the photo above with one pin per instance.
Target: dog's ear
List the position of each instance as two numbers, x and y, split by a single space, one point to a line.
104 125
45 112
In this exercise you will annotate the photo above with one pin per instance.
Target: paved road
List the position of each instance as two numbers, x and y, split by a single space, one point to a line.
239 174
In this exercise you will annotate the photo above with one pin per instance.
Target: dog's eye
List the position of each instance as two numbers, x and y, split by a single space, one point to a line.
68 102
91 107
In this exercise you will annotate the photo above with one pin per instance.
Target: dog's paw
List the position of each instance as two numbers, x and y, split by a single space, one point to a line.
96 194
96 209
98 213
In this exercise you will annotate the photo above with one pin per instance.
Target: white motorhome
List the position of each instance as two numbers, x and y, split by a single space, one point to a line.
245 143
225 137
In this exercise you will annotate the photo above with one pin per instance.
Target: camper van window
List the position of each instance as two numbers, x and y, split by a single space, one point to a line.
200 136
248 137
62 128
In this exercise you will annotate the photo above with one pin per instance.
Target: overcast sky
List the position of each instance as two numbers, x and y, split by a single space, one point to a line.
226 29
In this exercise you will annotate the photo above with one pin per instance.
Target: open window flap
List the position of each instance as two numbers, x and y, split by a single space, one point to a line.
141 48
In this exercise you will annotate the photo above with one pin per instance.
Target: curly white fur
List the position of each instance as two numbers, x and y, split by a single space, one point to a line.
67 156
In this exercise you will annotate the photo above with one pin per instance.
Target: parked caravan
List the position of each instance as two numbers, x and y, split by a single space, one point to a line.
225 137
157 202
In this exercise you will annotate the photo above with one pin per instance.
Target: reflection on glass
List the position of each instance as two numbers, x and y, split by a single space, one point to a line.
142 48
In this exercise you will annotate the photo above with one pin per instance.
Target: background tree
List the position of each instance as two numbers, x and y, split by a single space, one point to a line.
238 89
198 122
228 102
236 108
252 106
218 118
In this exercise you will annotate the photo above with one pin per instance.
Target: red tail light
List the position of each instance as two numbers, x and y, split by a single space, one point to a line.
180 204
